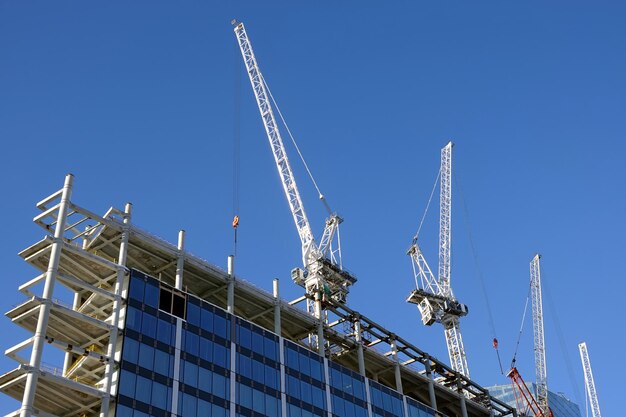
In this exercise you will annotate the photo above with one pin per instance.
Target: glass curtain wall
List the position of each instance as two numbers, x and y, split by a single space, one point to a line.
185 357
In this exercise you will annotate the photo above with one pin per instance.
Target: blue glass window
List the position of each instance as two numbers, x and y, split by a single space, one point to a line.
133 318
193 313
244 395
220 386
165 331
206 322
206 349
159 395
127 383
152 294
204 408
144 389
244 337
148 325
191 343
271 349
131 350
136 289
217 411
190 374
146 356
163 363
220 327
220 356
205 379
123 411
189 405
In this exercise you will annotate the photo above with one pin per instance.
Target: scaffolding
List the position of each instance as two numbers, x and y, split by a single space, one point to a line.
91 256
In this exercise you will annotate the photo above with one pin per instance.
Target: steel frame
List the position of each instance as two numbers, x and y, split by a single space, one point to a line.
94 269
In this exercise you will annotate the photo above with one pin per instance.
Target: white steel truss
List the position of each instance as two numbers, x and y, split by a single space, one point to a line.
86 331
445 220
276 143
590 384
433 296
540 350
323 276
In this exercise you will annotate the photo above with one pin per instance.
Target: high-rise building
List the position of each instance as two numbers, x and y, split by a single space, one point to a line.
141 327
560 405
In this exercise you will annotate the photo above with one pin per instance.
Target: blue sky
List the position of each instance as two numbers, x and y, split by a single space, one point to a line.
140 101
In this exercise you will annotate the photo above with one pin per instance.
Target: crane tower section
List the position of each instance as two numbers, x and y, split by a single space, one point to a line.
589 381
322 276
540 351
433 296
445 219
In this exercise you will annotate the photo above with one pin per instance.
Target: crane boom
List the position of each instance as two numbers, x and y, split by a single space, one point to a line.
540 351
323 276
433 296
589 382
276 143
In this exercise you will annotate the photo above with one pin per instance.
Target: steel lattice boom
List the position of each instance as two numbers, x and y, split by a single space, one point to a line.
433 296
323 275
589 382
540 351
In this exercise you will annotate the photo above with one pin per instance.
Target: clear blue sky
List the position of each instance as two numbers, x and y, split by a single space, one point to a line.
139 101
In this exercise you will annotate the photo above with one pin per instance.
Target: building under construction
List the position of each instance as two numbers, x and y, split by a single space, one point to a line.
154 330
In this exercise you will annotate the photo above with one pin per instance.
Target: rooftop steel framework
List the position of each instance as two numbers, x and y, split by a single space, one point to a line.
91 256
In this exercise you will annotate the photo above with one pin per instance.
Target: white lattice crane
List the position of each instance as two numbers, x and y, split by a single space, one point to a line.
527 403
589 382
539 340
433 296
322 276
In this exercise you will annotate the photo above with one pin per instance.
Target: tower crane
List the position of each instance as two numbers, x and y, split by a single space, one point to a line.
527 404
433 296
539 340
589 382
322 274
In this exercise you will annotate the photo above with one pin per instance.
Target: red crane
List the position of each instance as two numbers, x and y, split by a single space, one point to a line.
526 403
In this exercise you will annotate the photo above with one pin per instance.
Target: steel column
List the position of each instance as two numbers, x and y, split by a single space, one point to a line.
359 348
44 311
180 261
431 385
230 302
276 292
117 306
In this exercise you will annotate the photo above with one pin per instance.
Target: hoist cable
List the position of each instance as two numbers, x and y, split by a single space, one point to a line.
478 269
521 328
432 192
293 140
236 147
559 333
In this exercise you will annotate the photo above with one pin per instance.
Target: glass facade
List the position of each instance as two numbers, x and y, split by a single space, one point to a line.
183 356
560 405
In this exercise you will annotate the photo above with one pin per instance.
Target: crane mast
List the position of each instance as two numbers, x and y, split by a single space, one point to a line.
589 382
445 219
540 351
433 296
322 277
